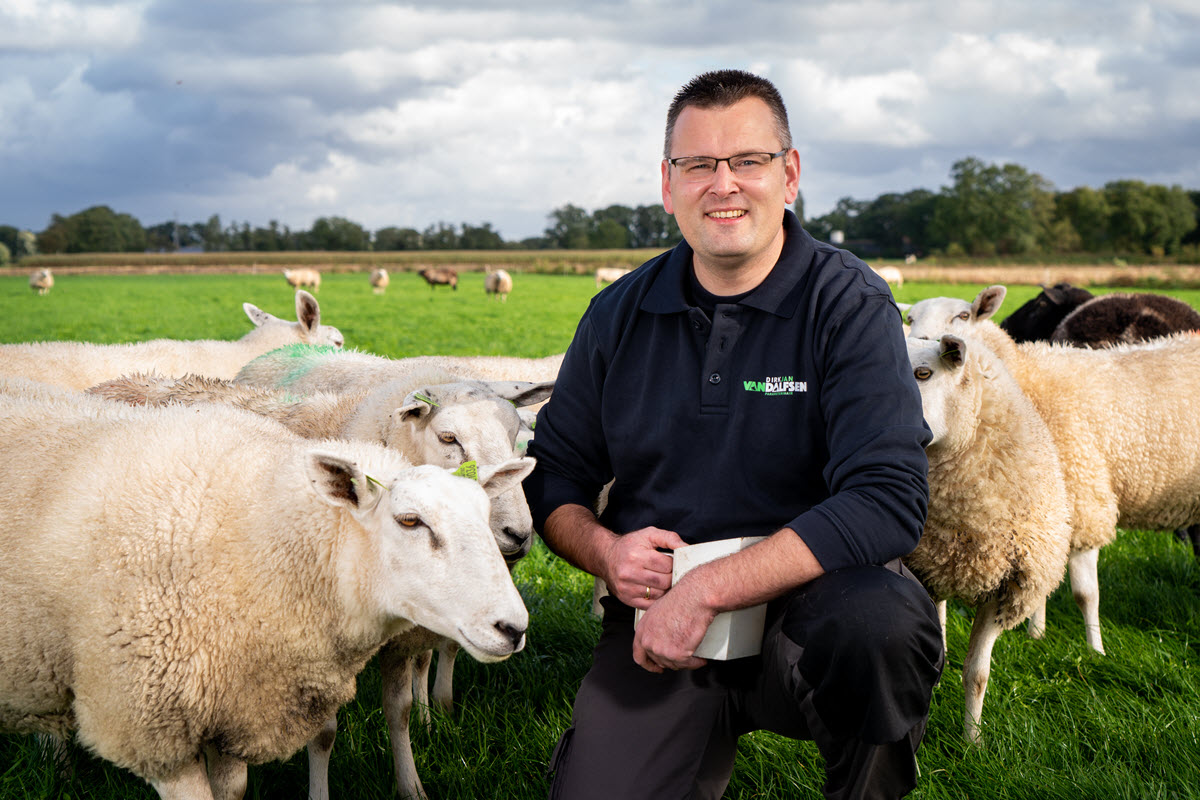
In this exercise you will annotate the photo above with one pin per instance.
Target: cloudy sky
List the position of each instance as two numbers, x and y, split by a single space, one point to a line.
467 111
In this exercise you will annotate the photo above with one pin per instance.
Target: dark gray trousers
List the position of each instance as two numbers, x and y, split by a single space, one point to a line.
849 661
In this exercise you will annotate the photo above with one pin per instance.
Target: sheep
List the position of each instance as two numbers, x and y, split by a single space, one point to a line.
1123 420
892 275
1115 318
998 530
304 277
498 283
78 365
304 369
910 258
221 608
440 276
41 280
379 280
609 274
1037 319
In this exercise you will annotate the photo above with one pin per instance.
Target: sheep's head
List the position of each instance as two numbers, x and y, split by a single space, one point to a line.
948 400
929 319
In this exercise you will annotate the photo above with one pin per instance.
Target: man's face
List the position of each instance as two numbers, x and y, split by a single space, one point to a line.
730 221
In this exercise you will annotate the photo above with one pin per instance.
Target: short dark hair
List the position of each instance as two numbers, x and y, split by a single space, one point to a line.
721 89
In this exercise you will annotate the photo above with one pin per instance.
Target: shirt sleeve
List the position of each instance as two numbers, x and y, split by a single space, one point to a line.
876 436
572 459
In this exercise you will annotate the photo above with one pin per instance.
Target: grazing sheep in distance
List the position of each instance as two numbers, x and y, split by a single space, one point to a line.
379 280
41 280
440 276
1123 419
304 277
78 365
892 275
998 530
609 274
220 612
499 283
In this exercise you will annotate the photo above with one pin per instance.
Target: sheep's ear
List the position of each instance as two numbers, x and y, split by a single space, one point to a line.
256 314
522 393
308 312
496 479
953 352
341 482
988 302
417 404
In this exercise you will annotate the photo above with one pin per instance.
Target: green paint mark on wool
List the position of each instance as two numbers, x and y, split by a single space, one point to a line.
299 359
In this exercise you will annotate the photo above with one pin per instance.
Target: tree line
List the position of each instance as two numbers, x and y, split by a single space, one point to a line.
987 210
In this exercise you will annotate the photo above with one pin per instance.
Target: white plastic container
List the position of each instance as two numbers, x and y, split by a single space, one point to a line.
732 634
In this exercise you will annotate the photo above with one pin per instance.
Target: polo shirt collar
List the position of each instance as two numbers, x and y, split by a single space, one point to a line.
775 295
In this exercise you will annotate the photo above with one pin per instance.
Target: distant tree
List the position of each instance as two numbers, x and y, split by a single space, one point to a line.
8 237
653 227
5 255
1193 235
94 230
1087 211
26 245
441 236
990 209
212 236
798 206
397 239
480 237
570 227
337 233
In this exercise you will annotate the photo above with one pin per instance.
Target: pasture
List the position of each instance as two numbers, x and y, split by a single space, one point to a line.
1059 721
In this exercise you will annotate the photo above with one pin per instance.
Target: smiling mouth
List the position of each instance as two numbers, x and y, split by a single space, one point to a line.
726 214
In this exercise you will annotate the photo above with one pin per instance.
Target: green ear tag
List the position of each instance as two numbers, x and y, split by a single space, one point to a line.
425 399
469 469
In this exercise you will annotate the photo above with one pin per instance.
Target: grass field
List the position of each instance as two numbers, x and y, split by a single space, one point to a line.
1059 721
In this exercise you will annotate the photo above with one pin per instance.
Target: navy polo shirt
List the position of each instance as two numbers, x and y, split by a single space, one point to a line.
794 406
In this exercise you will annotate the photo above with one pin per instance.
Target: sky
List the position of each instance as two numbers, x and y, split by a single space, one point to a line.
466 111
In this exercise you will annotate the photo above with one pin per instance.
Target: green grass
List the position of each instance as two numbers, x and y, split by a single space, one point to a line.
1059 721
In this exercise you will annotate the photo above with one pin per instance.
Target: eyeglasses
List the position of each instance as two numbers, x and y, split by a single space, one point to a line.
745 165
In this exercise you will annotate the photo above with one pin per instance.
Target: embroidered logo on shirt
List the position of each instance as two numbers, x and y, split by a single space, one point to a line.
786 385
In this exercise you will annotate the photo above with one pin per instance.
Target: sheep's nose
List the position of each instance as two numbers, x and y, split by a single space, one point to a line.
512 633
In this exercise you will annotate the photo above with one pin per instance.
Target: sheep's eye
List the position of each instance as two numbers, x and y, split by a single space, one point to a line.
447 438
964 315
922 373
908 320
408 520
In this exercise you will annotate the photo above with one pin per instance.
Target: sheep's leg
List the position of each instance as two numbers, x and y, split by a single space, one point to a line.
397 674
226 775
443 684
420 684
320 749
189 783
1037 621
1085 586
978 666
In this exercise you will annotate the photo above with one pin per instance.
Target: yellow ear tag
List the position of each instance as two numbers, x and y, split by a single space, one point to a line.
469 469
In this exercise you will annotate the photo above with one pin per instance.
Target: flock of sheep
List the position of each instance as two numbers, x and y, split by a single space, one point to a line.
297 507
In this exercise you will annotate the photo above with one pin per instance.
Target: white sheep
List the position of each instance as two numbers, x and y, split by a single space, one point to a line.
1124 422
41 280
892 275
303 277
379 280
220 606
302 370
78 365
498 282
998 530
609 274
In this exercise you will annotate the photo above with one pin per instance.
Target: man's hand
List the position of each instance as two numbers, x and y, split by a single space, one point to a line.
635 571
672 629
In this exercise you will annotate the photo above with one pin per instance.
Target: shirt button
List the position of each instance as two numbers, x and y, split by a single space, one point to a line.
714 379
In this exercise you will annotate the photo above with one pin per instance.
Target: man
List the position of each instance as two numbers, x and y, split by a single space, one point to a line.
752 381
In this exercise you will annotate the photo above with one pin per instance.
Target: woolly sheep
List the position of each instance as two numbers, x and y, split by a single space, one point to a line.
379 280
1116 318
609 274
222 606
998 529
1123 420
78 365
498 283
41 280
440 276
304 277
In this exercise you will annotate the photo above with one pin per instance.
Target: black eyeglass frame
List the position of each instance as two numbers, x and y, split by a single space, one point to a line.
674 162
